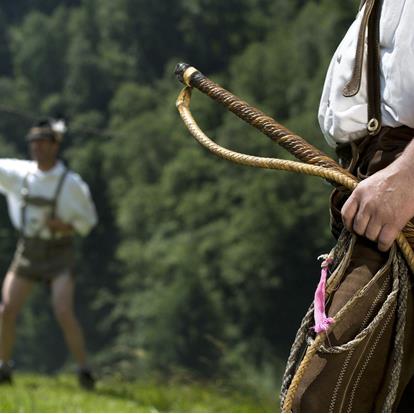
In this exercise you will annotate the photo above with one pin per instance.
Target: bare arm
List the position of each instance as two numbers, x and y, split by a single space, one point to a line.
382 204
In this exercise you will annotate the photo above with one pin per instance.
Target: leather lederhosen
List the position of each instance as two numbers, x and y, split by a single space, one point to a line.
41 259
357 381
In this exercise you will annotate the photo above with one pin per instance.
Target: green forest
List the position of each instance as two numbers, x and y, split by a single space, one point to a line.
198 266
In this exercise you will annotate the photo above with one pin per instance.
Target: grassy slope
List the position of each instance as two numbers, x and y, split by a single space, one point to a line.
37 393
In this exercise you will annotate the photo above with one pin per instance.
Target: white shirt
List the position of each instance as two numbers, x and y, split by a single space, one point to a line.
343 119
74 204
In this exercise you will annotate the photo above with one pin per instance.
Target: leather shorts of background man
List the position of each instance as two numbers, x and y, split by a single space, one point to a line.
43 260
366 363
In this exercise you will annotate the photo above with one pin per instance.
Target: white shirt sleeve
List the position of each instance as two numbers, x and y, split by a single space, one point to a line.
81 209
12 172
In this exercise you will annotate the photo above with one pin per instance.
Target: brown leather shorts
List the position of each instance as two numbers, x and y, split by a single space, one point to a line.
356 381
43 260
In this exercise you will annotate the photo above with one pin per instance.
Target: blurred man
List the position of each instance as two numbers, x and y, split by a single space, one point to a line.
47 204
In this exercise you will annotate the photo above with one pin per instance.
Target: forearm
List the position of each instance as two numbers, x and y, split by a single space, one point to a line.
405 163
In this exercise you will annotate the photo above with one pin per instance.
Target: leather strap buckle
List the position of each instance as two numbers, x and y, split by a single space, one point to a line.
374 125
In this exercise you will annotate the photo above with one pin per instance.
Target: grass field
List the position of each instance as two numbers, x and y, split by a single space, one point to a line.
38 393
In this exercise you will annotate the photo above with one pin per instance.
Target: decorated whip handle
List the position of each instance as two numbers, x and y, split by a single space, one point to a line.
314 161
293 143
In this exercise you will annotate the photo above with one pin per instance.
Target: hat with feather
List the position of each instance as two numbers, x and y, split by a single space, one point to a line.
52 129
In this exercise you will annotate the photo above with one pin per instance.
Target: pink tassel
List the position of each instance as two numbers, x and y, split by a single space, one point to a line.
322 322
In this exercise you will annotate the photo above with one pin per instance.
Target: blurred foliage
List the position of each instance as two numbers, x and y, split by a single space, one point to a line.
196 264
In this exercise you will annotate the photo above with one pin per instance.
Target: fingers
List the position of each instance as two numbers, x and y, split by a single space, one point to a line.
361 221
348 212
373 229
356 218
387 237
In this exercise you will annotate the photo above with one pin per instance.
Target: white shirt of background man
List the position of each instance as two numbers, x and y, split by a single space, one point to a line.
74 204
343 119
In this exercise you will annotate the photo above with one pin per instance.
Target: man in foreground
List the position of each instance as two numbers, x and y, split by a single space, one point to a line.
367 113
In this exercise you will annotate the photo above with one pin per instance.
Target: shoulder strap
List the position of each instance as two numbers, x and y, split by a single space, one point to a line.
58 191
25 197
24 192
370 22
56 196
354 84
373 71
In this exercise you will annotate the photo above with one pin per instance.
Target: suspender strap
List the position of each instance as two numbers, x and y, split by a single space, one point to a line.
373 71
57 192
354 84
370 22
361 4
24 193
55 198
39 200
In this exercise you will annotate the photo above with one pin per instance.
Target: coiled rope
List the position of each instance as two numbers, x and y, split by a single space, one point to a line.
314 163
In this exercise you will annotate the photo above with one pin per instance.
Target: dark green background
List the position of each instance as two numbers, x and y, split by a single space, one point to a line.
197 265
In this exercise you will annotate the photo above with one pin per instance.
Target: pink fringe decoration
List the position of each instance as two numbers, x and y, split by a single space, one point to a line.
322 322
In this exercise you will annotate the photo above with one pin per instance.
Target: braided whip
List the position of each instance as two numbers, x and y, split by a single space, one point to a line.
314 162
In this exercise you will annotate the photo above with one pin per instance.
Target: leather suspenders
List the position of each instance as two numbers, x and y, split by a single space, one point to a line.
370 22
373 68
361 4
27 200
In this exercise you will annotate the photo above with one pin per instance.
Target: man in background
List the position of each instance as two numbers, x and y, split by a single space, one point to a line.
47 204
